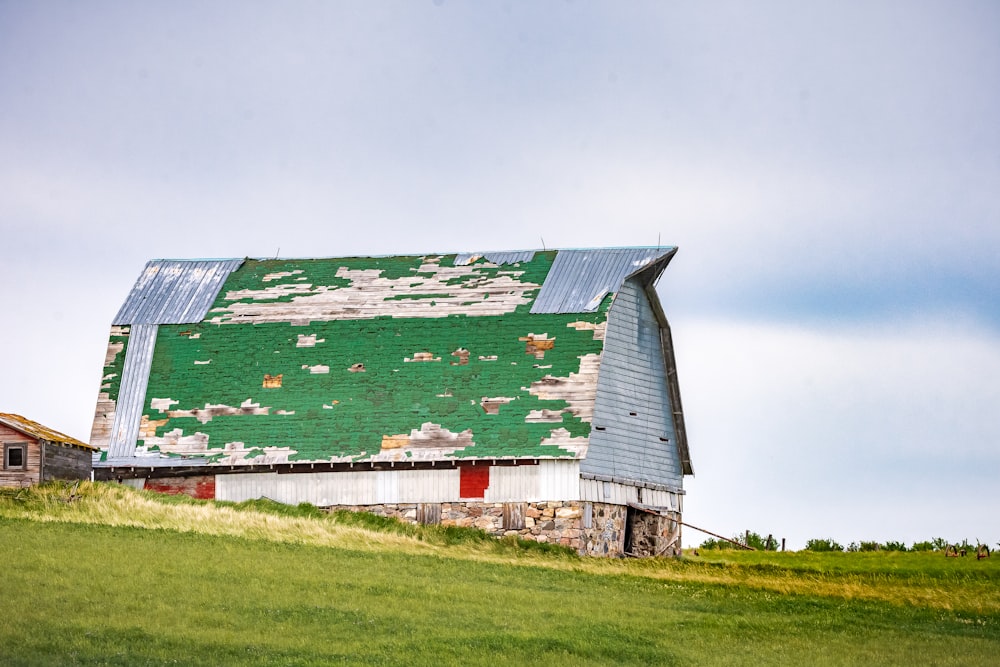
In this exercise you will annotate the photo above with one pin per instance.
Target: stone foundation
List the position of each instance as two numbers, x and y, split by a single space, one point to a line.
652 534
606 534
593 529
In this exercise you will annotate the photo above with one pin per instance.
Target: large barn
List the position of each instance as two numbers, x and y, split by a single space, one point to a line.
530 392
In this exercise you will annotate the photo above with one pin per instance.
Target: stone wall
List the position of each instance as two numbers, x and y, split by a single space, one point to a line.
606 534
654 535
595 529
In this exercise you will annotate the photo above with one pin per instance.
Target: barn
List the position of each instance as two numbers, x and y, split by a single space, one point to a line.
528 393
33 453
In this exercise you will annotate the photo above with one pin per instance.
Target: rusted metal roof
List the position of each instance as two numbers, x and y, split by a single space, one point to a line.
580 279
175 291
36 430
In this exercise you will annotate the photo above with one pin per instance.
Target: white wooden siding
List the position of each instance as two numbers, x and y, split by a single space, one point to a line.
549 480
596 491
559 480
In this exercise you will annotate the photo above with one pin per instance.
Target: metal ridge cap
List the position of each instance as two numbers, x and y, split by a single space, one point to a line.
198 259
664 248
656 266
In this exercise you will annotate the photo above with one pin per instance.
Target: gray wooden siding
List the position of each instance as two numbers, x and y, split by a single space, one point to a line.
65 462
633 436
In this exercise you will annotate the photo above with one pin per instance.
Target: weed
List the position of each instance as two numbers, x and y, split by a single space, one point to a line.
823 544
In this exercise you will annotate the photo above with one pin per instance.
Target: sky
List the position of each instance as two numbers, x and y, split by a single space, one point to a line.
830 172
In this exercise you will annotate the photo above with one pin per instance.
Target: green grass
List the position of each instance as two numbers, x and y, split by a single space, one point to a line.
81 588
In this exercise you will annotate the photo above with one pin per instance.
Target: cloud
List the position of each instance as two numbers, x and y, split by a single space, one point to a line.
859 422
827 172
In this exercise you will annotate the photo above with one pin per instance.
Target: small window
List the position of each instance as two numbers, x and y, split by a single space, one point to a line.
15 456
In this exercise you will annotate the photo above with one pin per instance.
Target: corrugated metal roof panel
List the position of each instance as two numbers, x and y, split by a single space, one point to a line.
175 291
508 257
579 279
132 395
36 430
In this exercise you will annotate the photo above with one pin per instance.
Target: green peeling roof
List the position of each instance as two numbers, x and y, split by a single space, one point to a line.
406 358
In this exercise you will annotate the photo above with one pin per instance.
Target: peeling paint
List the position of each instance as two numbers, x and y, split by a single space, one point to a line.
463 357
309 340
422 356
578 389
209 412
280 274
538 344
114 349
429 436
476 405
363 293
545 416
161 404
597 327
491 406
560 437
107 397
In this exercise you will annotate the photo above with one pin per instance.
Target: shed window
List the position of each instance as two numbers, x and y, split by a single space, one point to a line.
15 456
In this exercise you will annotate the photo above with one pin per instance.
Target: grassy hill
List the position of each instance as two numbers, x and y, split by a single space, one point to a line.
100 574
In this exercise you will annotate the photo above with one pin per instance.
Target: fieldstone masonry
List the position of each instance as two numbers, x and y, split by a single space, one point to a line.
654 535
594 529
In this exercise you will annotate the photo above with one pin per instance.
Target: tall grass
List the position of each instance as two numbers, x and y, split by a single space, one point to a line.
80 594
926 580
116 505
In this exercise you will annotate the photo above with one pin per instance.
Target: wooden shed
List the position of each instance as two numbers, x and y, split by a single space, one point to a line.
522 392
33 453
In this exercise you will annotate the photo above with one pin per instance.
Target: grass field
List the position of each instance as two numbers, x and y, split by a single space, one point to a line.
112 576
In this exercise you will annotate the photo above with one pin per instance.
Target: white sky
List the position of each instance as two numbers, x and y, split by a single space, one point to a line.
830 172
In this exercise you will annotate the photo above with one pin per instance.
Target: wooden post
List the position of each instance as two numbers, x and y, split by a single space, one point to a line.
782 544
746 539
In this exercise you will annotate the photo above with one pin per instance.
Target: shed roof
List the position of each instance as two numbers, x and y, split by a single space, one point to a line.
36 430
